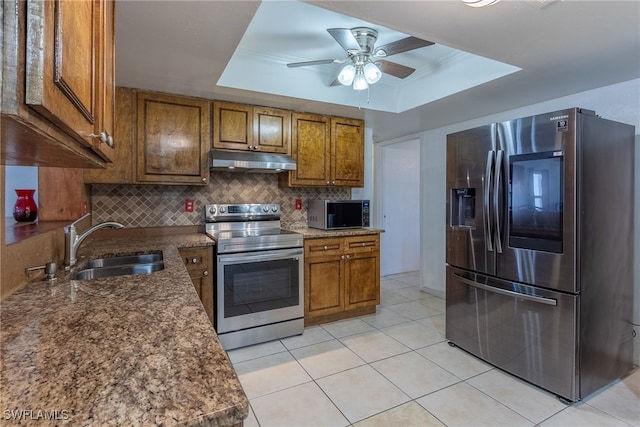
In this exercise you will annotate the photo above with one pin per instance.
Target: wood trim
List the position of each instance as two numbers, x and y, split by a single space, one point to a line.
339 316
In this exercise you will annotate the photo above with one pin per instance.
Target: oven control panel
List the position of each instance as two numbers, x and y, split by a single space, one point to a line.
239 212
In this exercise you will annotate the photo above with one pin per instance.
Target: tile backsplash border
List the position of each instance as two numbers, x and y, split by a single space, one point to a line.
163 205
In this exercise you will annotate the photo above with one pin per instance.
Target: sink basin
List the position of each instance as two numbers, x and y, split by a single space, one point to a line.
124 260
120 266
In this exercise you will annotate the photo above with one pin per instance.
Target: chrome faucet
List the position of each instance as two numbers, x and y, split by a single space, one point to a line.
72 240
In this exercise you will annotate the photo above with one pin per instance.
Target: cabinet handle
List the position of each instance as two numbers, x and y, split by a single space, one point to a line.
104 138
205 273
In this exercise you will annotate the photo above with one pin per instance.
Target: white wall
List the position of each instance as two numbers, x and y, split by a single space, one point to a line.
620 102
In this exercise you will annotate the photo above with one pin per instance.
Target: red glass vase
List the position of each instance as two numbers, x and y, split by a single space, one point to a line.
25 209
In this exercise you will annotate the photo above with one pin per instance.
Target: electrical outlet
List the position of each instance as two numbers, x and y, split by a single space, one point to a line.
188 205
298 204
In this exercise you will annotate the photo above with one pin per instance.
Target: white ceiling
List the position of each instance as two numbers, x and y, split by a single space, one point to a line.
562 48
292 31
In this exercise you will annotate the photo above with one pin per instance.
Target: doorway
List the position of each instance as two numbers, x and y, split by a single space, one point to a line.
398 210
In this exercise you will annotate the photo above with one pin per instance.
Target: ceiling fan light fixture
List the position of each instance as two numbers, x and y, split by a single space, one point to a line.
359 81
479 3
347 74
372 73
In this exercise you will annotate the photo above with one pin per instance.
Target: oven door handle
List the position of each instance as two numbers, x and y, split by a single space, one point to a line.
260 256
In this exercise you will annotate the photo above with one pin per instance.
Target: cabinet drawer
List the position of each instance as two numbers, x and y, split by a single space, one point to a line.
195 259
322 247
368 243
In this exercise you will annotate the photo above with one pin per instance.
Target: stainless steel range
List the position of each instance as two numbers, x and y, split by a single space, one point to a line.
259 274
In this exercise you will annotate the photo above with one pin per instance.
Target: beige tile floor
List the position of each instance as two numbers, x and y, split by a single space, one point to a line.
395 369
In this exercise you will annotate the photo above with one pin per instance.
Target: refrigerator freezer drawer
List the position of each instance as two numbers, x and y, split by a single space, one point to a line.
526 331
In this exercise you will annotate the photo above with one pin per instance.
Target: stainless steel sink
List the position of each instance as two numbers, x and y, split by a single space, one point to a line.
124 260
120 266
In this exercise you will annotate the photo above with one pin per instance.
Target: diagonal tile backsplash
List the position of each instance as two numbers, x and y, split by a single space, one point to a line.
163 205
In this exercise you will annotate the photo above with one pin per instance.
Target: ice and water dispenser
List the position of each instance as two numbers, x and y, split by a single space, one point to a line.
463 207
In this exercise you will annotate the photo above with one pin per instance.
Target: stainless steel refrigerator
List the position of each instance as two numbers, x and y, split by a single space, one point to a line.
540 248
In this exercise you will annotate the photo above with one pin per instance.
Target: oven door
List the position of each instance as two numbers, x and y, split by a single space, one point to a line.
258 288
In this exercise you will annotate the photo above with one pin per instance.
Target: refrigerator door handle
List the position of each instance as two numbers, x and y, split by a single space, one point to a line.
497 191
533 298
488 177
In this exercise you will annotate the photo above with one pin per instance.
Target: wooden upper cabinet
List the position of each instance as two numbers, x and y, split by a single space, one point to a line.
123 168
329 151
310 148
106 82
232 126
66 44
250 128
347 152
271 130
173 139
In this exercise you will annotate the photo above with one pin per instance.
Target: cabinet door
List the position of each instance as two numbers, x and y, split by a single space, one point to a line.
122 169
61 72
323 285
272 130
173 139
347 152
199 263
105 84
310 139
232 126
362 279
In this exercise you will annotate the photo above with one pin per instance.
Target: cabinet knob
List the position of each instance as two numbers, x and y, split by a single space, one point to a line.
194 260
328 182
205 273
342 257
333 183
204 179
104 138
362 243
325 248
348 256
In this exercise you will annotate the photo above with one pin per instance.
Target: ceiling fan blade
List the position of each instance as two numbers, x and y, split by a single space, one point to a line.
317 62
345 38
394 69
402 45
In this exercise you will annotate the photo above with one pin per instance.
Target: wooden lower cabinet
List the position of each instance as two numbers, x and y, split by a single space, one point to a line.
341 277
199 263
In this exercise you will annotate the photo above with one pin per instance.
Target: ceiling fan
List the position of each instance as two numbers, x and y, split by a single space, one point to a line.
364 60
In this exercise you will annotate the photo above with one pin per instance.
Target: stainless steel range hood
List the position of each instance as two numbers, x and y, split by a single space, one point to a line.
249 161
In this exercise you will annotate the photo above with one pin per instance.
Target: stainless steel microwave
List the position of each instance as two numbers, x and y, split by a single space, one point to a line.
337 214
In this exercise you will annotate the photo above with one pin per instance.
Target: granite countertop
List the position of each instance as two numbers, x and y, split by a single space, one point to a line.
128 350
312 233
